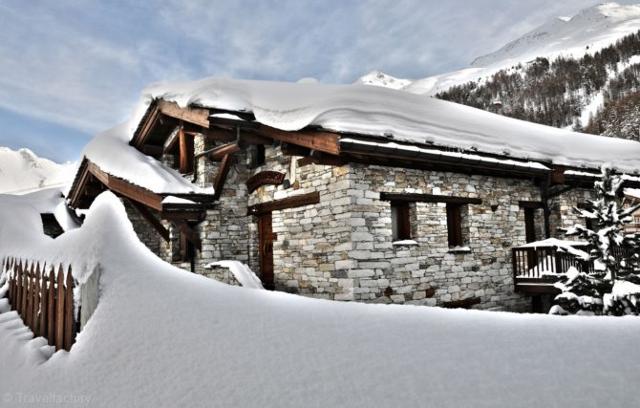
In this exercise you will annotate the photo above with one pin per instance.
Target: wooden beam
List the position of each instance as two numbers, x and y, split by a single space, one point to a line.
274 178
221 151
152 150
428 198
131 191
221 176
289 202
197 116
557 175
186 158
147 124
217 134
531 204
294 150
322 159
171 141
79 184
151 219
190 234
326 142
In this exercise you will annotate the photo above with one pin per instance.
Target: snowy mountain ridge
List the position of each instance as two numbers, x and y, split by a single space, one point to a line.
587 32
22 171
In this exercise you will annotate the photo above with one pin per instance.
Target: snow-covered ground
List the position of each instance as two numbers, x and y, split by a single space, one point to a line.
163 337
587 32
22 171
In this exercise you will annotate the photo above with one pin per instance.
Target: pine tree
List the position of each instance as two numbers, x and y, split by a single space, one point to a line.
614 254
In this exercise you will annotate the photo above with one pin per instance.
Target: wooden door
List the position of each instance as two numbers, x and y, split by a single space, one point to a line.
265 234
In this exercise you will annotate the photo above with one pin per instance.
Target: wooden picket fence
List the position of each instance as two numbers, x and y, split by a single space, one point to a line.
44 299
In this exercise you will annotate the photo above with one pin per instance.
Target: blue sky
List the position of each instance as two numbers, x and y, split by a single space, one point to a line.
70 68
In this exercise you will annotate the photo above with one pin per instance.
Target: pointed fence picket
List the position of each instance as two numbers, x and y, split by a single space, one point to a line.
43 300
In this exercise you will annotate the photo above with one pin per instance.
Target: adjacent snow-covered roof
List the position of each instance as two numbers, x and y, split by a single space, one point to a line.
111 152
400 116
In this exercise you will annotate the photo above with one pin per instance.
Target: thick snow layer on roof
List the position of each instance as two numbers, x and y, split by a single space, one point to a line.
111 152
401 116
26 210
163 337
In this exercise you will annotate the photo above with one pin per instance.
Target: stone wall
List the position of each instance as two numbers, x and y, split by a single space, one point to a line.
562 215
342 248
310 238
146 233
225 230
428 271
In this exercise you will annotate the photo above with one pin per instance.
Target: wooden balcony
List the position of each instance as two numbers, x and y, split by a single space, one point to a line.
536 265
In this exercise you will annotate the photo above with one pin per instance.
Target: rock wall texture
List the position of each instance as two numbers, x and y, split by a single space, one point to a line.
342 248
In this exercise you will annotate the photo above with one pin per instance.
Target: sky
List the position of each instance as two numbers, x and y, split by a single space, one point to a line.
71 68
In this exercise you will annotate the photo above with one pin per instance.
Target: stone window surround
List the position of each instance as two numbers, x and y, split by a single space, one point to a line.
462 202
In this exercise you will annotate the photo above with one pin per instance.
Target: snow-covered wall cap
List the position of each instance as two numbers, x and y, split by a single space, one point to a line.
402 116
111 152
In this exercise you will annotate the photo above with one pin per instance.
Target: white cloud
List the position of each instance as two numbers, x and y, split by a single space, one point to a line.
82 64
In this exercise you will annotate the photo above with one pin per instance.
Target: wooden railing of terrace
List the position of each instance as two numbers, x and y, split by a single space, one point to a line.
535 269
43 297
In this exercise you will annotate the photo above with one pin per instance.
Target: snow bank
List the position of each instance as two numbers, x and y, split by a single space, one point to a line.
22 172
400 116
111 152
163 337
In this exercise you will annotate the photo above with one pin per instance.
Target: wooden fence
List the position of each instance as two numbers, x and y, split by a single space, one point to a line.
43 297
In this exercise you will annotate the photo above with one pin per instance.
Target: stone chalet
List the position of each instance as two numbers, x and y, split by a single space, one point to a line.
349 193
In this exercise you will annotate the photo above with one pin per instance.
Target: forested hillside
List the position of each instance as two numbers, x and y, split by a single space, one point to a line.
598 93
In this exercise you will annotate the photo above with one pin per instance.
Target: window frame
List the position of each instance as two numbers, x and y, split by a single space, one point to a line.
454 225
400 221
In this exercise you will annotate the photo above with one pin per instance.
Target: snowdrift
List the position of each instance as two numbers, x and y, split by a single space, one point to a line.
163 337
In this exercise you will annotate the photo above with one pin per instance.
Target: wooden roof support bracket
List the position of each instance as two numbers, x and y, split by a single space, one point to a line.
151 219
325 142
221 151
221 176
197 116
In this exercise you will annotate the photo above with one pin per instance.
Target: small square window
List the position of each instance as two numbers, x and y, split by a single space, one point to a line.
400 220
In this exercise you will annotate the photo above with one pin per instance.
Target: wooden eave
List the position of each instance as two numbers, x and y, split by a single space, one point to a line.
160 120
89 172
391 156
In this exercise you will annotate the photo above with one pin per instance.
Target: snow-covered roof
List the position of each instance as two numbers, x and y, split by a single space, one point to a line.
111 152
399 116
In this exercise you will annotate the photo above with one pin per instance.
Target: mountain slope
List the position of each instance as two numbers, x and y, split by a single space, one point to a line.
590 30
22 171
587 32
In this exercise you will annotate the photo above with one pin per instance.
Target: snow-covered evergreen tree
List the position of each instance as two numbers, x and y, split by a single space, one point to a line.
614 284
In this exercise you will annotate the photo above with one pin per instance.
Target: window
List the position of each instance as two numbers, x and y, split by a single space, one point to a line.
530 224
400 220
454 225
